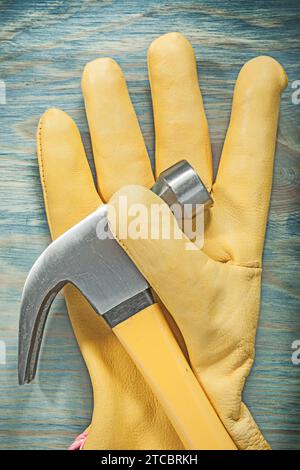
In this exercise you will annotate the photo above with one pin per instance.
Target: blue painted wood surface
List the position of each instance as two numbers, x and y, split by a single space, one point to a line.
43 48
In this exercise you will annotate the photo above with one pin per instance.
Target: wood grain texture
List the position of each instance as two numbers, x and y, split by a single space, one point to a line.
43 48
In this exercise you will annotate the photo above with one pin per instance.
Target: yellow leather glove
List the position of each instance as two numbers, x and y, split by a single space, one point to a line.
213 294
126 415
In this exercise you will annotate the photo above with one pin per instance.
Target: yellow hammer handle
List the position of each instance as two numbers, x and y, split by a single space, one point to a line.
149 341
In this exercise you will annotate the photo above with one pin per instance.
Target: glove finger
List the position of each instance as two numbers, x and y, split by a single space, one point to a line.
169 260
243 185
119 403
119 149
179 271
68 186
181 128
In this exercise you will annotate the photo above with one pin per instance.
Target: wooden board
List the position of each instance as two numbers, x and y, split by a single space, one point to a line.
43 48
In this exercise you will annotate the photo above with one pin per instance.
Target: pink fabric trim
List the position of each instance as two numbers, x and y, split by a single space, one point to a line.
79 442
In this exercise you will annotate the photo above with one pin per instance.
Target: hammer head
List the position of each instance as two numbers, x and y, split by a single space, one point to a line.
97 266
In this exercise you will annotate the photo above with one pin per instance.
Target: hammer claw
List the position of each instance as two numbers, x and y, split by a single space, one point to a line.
38 295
